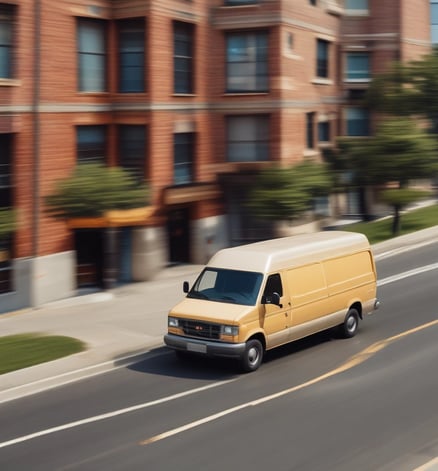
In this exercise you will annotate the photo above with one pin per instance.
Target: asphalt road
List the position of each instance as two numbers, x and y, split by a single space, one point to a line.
368 403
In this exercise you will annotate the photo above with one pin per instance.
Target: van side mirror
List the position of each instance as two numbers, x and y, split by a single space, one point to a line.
186 287
273 298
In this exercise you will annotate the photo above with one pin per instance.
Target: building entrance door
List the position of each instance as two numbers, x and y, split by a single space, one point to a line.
178 230
89 244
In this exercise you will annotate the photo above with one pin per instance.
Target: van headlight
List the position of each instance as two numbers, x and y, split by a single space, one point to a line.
232 330
172 322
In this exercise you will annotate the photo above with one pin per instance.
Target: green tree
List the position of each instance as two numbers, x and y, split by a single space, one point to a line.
408 89
399 151
286 193
93 189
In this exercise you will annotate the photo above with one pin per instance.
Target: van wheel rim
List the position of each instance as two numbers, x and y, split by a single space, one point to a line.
253 356
351 324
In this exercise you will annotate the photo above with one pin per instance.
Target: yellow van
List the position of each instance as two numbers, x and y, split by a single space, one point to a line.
255 297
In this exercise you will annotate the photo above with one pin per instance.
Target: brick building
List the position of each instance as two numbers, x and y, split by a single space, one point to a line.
195 96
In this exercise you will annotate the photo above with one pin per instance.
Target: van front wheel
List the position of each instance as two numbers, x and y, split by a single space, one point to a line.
351 323
252 356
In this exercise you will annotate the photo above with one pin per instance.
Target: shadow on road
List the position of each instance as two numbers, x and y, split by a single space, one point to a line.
164 362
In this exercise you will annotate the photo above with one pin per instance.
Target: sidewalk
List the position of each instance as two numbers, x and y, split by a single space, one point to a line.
122 325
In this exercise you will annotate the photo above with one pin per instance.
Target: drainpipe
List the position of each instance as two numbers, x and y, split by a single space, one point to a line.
36 150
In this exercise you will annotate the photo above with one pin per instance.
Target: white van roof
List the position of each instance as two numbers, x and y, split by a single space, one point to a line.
276 254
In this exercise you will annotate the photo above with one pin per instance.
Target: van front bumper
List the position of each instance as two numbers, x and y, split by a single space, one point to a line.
204 347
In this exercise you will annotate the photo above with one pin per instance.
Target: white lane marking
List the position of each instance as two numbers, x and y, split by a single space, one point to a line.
400 250
78 423
109 415
429 466
62 379
406 274
351 363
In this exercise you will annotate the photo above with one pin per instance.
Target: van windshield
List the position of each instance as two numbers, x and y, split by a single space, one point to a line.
227 286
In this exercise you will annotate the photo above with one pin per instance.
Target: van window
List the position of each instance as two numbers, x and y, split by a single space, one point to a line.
273 285
306 284
227 286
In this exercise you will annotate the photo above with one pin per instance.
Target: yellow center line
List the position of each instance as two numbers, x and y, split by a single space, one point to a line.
351 363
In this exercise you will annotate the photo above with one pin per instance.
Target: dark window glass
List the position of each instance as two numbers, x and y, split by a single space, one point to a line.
5 170
310 134
247 62
358 122
273 285
92 55
183 152
356 4
91 144
183 34
248 138
131 56
324 131
6 31
240 2
6 265
132 149
322 66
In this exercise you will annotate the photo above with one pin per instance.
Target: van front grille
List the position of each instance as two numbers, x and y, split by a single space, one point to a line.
200 329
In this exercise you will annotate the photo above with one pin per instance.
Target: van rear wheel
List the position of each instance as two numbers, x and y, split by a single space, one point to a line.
252 356
350 325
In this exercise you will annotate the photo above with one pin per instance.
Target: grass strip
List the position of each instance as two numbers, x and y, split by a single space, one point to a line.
412 221
23 350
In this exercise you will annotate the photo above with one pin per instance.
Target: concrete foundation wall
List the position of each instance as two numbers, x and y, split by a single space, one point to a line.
149 252
40 280
209 235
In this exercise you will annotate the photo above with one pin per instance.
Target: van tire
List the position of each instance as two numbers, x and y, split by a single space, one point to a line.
350 325
252 357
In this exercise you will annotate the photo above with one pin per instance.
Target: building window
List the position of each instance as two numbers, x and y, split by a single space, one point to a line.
91 144
357 122
247 62
434 22
183 157
357 66
322 58
247 138
183 38
92 55
131 56
356 5
324 131
230 3
6 202
6 30
132 149
310 134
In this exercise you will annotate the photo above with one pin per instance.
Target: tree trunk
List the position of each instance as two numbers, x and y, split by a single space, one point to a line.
396 226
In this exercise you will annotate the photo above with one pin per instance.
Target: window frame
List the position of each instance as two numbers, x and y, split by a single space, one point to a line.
260 63
184 155
133 27
138 152
356 75
87 81
322 58
97 146
183 54
357 123
259 146
7 21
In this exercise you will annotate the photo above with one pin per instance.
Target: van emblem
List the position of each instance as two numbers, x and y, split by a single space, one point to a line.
199 328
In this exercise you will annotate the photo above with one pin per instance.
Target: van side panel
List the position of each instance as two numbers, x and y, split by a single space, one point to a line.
350 278
308 293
